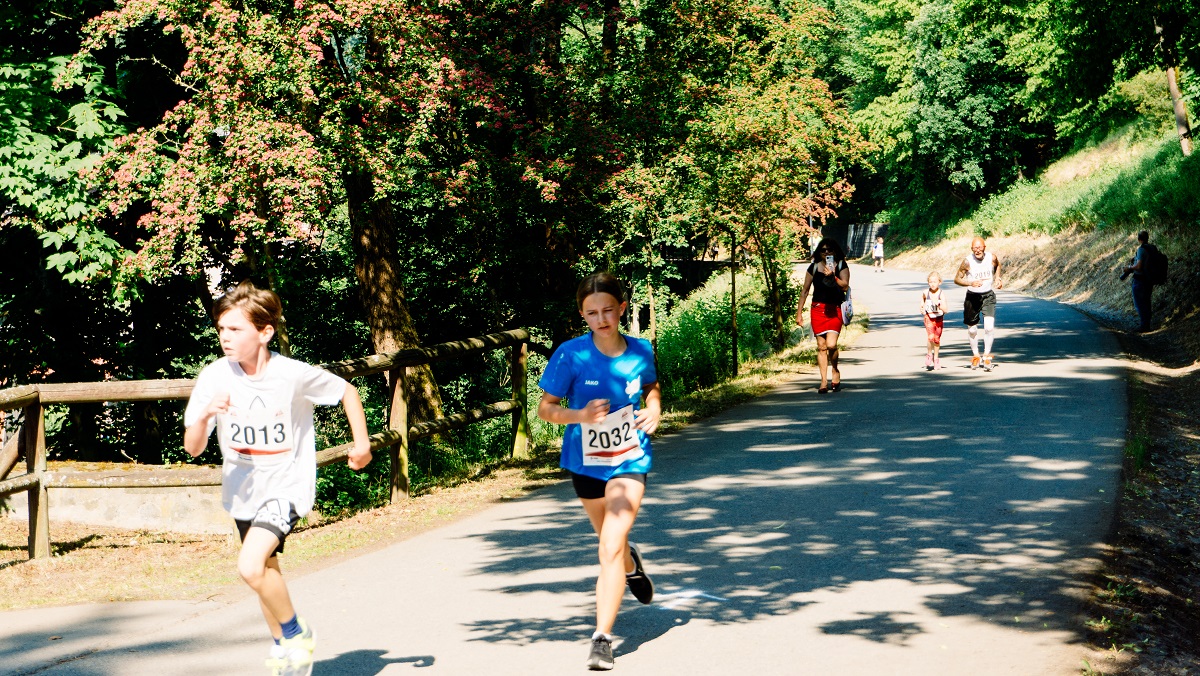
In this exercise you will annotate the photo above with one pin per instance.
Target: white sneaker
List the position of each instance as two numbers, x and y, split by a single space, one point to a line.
298 651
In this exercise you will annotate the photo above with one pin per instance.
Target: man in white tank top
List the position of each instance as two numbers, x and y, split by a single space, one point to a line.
980 273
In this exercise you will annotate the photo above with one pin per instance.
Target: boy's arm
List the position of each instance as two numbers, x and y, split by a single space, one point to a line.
195 437
359 456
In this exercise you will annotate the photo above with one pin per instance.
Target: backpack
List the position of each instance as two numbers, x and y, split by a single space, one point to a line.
1155 265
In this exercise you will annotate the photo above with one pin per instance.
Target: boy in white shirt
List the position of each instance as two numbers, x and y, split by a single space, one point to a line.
261 405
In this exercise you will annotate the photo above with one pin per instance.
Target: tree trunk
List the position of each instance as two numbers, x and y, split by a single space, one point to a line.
771 278
1168 30
373 229
1181 116
608 36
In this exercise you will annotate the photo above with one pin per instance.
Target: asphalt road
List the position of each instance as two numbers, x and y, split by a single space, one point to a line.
914 523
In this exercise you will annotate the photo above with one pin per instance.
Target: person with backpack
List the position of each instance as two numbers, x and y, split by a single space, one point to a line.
1148 268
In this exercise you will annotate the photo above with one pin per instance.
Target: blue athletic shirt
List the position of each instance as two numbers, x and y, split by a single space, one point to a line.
579 373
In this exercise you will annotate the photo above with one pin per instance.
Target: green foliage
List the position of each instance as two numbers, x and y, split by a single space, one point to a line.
58 123
1126 181
695 346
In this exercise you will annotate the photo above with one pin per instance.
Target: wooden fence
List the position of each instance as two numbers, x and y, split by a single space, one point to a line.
30 441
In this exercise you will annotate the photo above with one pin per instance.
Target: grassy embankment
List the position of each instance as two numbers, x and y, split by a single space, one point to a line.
1066 233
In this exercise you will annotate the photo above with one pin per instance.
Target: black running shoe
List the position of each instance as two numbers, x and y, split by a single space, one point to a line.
601 657
638 581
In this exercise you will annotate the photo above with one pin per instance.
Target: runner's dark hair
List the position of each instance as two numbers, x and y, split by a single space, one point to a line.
262 306
834 248
600 282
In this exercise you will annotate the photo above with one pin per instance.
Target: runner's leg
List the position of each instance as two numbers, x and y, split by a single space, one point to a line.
973 332
259 567
612 518
831 344
989 333
823 358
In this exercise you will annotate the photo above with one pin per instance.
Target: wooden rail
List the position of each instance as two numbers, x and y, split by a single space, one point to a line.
30 442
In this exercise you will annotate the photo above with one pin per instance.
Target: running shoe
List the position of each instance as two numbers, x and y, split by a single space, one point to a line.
277 660
974 362
600 658
937 363
928 362
298 651
987 362
639 582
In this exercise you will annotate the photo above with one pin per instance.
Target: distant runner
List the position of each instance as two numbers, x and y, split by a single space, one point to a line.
980 273
933 311
828 277
604 376
877 254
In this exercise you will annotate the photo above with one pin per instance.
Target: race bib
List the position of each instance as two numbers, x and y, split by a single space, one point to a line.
933 308
257 434
611 442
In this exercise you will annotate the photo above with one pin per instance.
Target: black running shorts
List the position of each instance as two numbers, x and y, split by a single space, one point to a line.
977 305
590 488
277 516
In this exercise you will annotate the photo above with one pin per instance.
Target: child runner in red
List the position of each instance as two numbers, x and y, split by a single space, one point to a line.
261 405
604 376
933 310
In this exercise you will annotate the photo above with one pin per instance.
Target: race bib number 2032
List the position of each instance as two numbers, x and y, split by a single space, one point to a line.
612 442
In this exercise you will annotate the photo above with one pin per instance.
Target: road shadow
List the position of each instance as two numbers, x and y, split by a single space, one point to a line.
366 663
961 496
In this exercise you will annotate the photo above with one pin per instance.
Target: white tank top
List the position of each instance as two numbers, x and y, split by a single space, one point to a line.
932 308
980 271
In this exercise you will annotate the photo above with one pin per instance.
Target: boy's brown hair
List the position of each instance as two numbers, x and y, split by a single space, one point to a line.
262 306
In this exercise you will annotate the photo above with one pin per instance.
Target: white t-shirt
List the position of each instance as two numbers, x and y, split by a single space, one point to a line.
980 271
877 250
267 438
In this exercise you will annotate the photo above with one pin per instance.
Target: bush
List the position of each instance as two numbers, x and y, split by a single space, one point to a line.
695 341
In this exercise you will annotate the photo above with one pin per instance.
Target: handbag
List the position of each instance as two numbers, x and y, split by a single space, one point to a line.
847 308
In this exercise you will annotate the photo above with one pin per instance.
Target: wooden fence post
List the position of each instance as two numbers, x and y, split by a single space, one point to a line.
520 421
39 503
398 420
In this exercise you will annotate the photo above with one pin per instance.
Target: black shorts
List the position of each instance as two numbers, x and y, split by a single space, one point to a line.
276 516
590 488
978 304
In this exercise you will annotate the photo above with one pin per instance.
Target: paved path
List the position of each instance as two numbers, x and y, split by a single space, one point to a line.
914 523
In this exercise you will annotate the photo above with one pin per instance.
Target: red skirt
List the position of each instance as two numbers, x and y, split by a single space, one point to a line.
825 318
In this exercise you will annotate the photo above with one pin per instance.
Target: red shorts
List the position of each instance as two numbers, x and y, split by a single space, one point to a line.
825 318
933 328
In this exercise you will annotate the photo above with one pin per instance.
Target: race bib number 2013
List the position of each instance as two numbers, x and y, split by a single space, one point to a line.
612 442
257 432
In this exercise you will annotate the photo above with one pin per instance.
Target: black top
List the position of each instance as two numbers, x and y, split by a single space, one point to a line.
825 290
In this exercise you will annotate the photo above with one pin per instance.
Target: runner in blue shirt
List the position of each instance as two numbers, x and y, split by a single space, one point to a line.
604 376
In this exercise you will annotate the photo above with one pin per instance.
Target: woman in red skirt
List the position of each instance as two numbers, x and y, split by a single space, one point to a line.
828 277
